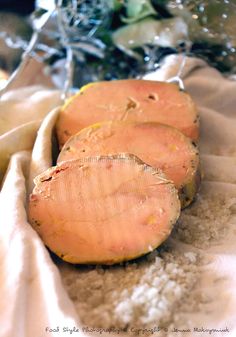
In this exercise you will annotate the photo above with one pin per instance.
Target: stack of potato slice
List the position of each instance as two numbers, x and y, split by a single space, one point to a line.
128 163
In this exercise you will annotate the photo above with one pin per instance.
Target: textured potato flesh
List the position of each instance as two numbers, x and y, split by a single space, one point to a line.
156 144
103 210
128 100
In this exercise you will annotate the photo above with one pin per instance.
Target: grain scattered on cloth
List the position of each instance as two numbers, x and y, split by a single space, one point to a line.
187 283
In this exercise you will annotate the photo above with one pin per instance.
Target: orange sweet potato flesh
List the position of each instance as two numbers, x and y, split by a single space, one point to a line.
104 209
158 145
128 100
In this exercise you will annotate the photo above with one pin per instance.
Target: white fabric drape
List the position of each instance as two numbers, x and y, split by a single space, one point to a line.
32 296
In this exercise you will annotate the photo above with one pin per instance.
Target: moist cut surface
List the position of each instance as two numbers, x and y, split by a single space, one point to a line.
103 209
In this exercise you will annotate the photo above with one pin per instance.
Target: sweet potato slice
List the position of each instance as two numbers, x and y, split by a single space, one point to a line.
158 145
128 100
103 209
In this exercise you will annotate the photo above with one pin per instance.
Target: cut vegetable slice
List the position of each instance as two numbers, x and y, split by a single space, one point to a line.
158 145
128 100
103 209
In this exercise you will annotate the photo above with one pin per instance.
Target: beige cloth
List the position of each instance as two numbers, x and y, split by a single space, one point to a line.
32 295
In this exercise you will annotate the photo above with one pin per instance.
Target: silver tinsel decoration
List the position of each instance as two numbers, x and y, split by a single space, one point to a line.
79 35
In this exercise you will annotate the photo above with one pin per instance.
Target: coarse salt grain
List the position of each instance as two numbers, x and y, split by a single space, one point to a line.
152 290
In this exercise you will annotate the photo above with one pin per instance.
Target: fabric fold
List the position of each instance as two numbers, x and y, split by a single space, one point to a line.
188 284
30 282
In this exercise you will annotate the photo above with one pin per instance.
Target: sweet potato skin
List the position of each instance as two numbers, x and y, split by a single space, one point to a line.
156 144
128 100
85 224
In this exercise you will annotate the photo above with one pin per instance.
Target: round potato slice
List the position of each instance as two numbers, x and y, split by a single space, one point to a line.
158 145
128 100
104 209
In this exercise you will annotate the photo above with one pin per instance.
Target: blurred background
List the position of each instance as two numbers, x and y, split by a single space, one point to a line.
13 22
20 7
111 39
